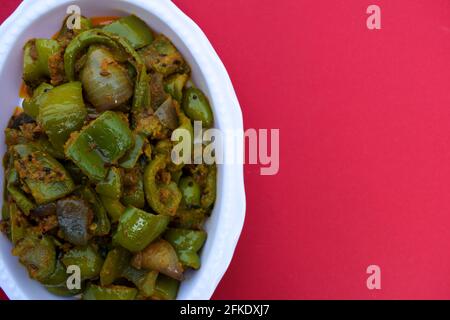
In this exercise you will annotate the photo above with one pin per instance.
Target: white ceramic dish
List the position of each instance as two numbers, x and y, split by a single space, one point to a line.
42 18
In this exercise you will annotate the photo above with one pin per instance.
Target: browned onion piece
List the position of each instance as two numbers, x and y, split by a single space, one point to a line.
105 81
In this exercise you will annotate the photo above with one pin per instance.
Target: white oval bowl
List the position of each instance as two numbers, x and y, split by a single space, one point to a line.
42 18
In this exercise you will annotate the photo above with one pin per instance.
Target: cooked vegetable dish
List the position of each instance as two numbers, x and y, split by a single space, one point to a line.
89 178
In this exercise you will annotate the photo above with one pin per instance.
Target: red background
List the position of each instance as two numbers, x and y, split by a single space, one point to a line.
364 119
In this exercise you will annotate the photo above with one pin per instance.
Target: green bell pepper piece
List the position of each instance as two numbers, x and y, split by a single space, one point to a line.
138 228
61 112
162 56
133 29
44 145
103 142
87 259
174 86
31 106
58 278
133 194
38 254
63 291
62 36
197 107
144 280
132 156
186 243
191 191
112 185
47 179
18 223
209 189
35 60
189 218
94 292
166 288
22 201
113 206
5 211
101 225
163 198
116 261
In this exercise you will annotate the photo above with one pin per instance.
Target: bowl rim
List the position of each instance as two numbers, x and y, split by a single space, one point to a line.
221 90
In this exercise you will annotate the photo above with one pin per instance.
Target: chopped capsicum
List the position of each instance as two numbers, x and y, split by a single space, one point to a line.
38 254
45 177
166 288
174 86
162 56
94 292
35 60
19 224
132 156
111 186
113 206
163 197
144 280
116 261
31 105
86 258
133 193
133 29
61 112
101 224
186 243
103 142
138 228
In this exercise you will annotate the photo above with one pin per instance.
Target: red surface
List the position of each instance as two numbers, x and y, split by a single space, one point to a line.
365 145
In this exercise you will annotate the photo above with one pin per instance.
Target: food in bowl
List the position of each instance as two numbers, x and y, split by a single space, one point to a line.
89 177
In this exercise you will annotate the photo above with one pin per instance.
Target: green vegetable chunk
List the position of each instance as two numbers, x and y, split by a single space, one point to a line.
130 159
94 292
31 106
58 278
116 261
114 207
101 225
103 142
87 259
197 107
144 280
35 60
18 223
133 29
191 191
166 288
163 57
38 255
138 228
164 198
186 243
45 177
174 86
112 185
63 291
61 112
